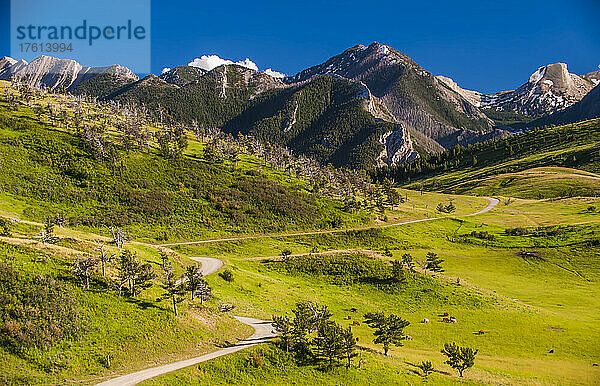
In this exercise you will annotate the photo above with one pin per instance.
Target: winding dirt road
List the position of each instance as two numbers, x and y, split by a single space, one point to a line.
262 332
209 266
492 202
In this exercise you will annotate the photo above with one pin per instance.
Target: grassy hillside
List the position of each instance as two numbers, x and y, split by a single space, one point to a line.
54 172
573 146
53 329
544 182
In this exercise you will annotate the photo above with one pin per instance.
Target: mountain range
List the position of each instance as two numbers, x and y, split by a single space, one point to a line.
550 88
56 74
370 105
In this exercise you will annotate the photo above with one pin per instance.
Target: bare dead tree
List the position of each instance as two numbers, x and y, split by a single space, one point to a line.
83 267
105 256
119 237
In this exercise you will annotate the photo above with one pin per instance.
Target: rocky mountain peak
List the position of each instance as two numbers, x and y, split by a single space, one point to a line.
549 89
182 75
593 77
54 73
6 61
554 76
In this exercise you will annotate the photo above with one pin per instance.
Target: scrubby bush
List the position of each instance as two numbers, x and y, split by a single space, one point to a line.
5 226
341 269
37 311
445 208
227 275
484 235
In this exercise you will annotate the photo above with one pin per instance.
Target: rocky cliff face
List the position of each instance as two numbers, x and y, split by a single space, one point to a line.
398 147
6 62
593 77
474 97
55 73
9 66
586 108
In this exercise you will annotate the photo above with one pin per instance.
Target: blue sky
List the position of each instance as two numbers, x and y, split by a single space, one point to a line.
483 45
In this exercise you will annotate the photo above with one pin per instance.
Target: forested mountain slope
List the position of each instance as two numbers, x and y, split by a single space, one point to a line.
575 146
329 118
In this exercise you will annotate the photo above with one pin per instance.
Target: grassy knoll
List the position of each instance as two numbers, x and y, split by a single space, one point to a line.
526 212
536 183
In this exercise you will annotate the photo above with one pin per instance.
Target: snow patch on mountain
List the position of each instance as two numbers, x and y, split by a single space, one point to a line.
274 74
536 76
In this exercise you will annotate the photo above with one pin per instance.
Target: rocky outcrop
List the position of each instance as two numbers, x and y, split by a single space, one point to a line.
6 62
9 66
398 147
593 77
586 108
474 97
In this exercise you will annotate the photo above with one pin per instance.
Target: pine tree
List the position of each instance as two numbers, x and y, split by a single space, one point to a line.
459 358
330 342
203 291
388 329
348 345
283 327
408 262
434 263
136 275
397 273
174 287
194 279
426 367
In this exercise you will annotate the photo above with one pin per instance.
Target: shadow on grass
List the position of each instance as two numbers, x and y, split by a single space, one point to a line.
415 367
